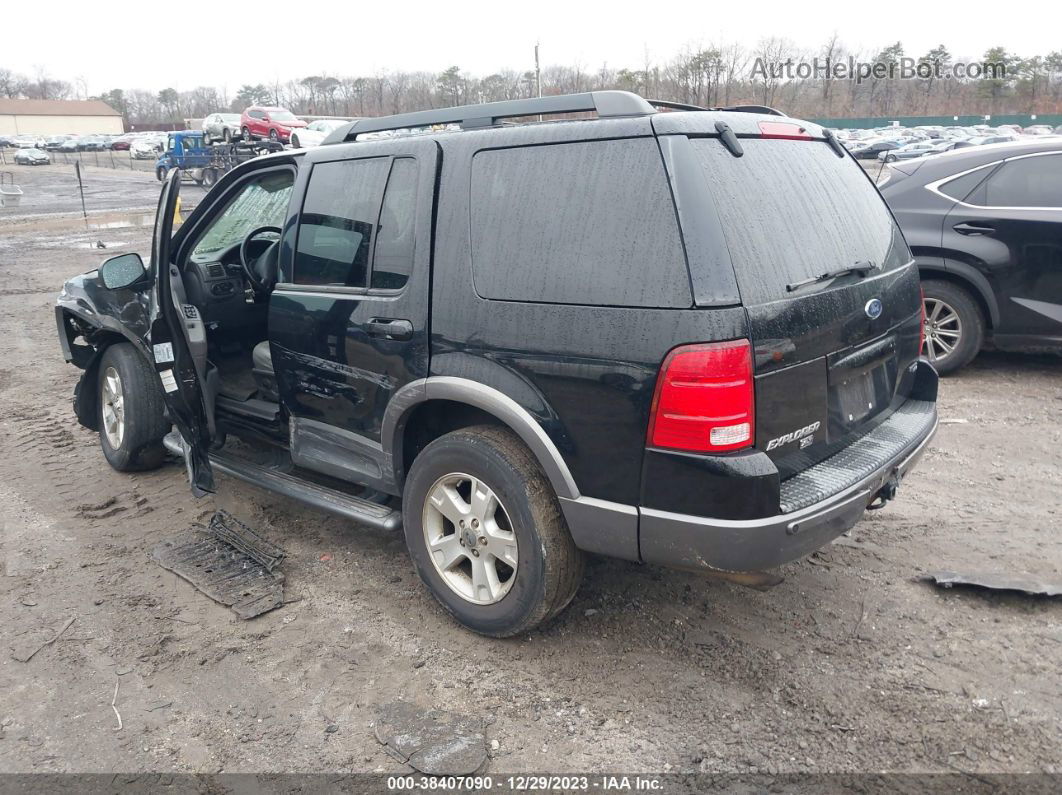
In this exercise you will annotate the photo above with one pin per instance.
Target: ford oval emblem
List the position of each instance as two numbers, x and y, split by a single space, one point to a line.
873 308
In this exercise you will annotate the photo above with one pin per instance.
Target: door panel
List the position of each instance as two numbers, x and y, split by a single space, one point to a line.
1020 253
340 352
174 326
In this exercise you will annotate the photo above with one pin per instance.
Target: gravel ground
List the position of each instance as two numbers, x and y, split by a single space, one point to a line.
849 665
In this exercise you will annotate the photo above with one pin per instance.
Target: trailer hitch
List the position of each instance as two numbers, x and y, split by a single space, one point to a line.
885 493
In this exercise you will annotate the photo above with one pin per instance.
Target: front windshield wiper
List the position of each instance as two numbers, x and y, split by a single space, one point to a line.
861 268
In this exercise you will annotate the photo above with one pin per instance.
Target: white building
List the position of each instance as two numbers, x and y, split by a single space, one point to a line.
58 116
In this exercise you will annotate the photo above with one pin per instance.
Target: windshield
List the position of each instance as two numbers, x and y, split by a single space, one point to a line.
793 210
263 202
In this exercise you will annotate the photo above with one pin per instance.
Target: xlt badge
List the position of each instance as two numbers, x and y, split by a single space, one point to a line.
792 436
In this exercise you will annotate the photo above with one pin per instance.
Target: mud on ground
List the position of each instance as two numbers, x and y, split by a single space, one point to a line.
849 665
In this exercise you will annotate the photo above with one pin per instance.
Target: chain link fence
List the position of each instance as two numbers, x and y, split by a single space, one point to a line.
121 160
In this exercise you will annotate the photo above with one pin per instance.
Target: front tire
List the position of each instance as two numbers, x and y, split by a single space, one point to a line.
247 134
226 135
131 410
160 173
954 325
486 533
274 135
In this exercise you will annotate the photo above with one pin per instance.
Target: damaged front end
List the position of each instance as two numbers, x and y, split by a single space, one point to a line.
90 318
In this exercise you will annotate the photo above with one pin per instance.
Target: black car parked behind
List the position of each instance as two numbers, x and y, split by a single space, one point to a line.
683 338
985 226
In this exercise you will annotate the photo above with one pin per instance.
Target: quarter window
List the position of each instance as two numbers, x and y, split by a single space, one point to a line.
339 217
579 223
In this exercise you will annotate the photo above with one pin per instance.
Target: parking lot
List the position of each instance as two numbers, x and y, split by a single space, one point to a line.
851 664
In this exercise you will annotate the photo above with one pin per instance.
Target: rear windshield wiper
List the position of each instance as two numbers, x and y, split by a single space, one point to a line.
862 268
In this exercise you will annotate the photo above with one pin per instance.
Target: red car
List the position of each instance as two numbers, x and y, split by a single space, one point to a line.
273 123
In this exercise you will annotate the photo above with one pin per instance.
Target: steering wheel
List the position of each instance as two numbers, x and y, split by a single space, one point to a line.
261 273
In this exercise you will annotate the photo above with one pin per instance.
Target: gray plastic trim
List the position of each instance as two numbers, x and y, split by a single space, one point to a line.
602 527
490 400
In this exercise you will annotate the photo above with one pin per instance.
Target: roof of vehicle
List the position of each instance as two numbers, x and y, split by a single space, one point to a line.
955 161
667 117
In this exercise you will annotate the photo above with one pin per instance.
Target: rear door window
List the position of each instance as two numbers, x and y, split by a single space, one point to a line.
339 216
1026 182
793 210
577 223
393 261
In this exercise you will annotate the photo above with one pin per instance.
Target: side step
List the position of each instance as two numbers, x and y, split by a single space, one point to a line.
271 479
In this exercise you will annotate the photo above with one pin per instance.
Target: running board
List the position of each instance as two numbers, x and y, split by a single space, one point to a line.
331 500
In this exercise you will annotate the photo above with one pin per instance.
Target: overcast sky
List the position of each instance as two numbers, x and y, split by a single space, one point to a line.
226 44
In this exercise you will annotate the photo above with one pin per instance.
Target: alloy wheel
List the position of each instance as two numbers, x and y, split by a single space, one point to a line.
470 538
943 329
113 400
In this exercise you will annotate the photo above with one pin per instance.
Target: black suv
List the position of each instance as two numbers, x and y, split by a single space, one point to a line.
687 338
985 226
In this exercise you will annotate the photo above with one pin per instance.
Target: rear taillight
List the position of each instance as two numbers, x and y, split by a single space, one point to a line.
921 319
785 130
703 399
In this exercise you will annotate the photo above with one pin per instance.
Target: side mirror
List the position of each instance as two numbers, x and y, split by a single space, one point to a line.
122 271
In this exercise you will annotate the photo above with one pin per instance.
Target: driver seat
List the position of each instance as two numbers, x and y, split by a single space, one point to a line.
262 370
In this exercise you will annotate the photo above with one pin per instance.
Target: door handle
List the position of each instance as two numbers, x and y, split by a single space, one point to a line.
974 229
390 328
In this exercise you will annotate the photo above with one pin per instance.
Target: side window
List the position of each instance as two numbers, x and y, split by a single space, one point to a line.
579 223
960 187
393 261
1026 182
337 223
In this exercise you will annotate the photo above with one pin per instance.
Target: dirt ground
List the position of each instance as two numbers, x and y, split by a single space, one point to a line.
849 665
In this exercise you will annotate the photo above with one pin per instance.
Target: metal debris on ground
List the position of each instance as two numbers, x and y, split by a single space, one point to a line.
433 741
232 531
226 574
994 582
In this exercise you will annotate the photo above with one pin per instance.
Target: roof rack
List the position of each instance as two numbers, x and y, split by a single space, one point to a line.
664 103
607 105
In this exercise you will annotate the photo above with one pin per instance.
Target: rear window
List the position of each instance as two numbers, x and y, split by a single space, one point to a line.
792 210
577 223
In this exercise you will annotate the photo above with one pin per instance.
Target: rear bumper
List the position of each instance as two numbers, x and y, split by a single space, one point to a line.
819 503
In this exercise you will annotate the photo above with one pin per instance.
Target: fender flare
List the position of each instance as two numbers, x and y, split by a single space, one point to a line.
485 398
969 275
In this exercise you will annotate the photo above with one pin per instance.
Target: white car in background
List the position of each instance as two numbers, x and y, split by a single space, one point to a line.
314 133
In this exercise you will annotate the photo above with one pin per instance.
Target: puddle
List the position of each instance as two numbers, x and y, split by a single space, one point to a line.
126 222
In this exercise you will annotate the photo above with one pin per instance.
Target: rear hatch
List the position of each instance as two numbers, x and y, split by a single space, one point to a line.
829 354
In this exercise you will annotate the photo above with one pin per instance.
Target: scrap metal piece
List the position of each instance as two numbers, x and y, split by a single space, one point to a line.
994 582
225 574
432 741
232 531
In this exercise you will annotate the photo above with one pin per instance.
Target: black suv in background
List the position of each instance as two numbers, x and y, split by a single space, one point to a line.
687 338
985 226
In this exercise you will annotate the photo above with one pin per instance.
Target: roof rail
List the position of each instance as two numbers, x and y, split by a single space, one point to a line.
752 109
607 104
664 103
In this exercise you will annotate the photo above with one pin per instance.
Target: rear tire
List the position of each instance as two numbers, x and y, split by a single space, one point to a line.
226 135
527 525
955 325
131 410
274 135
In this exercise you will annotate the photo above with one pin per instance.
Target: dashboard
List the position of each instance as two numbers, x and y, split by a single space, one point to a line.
219 288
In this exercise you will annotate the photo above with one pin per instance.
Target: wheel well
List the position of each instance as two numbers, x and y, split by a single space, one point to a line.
959 281
433 418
